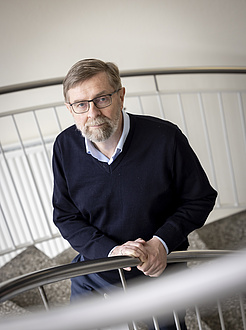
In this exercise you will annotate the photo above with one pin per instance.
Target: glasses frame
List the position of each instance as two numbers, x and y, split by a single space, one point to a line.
92 100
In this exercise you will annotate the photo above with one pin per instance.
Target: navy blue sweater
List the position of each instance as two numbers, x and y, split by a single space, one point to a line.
156 186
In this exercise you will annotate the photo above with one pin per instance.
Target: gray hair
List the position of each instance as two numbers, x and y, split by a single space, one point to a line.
86 69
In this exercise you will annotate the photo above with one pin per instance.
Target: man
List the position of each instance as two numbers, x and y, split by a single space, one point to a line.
123 184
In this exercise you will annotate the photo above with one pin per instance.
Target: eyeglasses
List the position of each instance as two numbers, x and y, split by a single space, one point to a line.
100 102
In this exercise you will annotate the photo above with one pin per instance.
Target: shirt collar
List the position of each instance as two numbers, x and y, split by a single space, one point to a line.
94 152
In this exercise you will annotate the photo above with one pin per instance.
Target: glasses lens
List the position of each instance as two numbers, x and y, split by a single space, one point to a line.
102 101
80 107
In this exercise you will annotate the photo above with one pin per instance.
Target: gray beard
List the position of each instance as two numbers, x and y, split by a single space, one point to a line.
103 133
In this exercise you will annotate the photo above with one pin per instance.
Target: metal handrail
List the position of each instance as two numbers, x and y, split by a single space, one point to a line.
202 285
12 287
124 74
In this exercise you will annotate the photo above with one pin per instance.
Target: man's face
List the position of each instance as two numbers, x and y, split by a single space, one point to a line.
98 125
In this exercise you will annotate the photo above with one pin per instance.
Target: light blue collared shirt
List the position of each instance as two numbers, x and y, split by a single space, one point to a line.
94 152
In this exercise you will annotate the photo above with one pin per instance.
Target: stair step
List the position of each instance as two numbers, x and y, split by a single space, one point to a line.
191 321
9 309
32 259
225 234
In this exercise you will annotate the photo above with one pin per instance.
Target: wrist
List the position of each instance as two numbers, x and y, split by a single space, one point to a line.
163 243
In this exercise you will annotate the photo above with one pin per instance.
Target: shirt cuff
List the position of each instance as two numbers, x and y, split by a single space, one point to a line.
164 244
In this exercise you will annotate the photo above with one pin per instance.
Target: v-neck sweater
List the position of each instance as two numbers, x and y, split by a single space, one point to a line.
156 186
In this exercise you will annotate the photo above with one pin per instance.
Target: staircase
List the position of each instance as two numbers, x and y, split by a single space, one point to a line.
227 233
29 261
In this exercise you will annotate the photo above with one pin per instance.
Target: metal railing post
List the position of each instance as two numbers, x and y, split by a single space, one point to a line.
198 317
124 286
44 297
242 311
222 323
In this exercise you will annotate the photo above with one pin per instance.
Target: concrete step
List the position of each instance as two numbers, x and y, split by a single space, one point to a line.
191 321
226 234
9 309
29 261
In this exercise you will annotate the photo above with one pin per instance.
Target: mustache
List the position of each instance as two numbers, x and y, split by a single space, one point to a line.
97 121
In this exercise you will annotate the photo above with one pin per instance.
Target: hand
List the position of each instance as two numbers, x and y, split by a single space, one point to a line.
131 248
156 262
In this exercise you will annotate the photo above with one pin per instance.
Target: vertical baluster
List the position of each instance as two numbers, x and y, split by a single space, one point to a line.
176 319
8 229
47 162
228 152
159 98
221 316
31 173
44 297
42 139
156 324
207 139
198 317
181 108
124 286
141 105
57 119
17 194
242 117
242 310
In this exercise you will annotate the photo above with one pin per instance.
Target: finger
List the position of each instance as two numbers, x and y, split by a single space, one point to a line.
149 267
127 269
151 270
129 248
140 240
134 249
133 252
144 267
135 245
157 273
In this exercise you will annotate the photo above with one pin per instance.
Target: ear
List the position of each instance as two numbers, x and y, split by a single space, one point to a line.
69 108
122 96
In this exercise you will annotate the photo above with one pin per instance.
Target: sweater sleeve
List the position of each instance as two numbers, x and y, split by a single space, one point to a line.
195 198
82 236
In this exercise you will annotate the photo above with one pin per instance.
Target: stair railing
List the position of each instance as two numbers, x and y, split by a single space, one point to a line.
50 275
219 277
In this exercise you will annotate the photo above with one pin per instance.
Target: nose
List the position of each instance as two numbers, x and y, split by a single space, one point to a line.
93 111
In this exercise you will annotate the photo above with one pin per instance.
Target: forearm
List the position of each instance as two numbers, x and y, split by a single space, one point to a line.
83 237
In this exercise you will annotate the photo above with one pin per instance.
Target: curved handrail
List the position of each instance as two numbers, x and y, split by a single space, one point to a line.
203 285
125 74
35 279
10 288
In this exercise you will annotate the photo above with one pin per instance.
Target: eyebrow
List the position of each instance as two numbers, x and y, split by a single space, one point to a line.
104 92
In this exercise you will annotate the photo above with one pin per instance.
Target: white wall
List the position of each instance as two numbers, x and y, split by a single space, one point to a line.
42 38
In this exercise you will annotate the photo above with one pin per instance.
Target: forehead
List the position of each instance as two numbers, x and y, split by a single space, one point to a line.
90 88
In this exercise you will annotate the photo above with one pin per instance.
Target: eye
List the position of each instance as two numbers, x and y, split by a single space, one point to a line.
81 104
102 99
